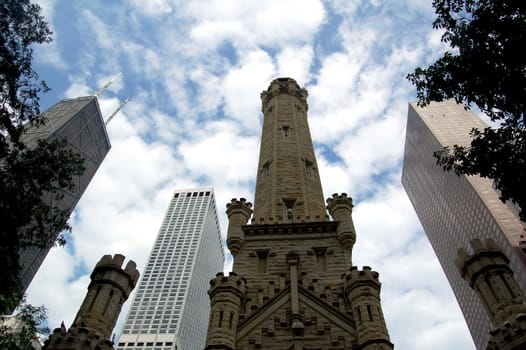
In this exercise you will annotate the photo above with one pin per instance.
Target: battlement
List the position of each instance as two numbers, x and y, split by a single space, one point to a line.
108 262
240 206
110 286
240 201
336 196
486 254
511 335
337 202
367 275
283 86
77 338
232 282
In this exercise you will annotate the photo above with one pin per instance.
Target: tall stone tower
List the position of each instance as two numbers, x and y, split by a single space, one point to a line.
293 285
110 287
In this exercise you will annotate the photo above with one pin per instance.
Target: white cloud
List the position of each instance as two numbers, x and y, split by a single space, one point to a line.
153 7
335 177
103 36
49 54
249 24
77 89
295 62
58 284
220 154
244 82
373 148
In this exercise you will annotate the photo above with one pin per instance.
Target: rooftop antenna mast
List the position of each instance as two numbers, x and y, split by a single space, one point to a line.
98 93
116 111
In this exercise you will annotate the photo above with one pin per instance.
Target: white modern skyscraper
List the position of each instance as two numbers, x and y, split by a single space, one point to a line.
456 209
171 307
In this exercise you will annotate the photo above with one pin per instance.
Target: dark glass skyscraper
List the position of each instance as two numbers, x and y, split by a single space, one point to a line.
454 210
79 122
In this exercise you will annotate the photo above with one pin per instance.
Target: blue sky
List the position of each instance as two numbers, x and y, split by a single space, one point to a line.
194 71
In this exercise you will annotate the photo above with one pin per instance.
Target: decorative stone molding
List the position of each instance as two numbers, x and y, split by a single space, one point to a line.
284 86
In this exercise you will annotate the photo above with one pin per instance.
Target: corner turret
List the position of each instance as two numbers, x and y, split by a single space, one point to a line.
362 289
488 272
340 208
238 212
110 287
226 295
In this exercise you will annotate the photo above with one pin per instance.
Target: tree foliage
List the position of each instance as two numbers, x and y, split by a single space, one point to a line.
25 329
486 68
29 175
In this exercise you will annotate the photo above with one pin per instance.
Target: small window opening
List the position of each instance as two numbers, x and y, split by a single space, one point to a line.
266 169
285 129
262 261
321 258
308 166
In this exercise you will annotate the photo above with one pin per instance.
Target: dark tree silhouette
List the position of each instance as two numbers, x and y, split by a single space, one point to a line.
485 68
29 175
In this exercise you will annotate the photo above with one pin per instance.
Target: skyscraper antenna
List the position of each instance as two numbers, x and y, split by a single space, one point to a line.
116 111
98 93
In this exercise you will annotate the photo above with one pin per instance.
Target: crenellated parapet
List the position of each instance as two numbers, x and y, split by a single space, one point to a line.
488 272
226 295
340 208
238 212
110 287
362 288
510 336
76 339
284 86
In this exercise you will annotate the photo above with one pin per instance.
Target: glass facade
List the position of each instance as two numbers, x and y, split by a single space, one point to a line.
171 307
454 210
79 122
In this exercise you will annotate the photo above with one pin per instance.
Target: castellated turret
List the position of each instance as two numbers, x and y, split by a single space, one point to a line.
362 289
488 272
340 208
226 295
110 287
238 212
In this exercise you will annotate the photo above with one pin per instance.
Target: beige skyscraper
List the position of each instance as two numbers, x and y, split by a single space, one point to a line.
293 285
455 210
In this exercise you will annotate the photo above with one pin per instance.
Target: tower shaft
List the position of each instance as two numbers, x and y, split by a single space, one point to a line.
288 187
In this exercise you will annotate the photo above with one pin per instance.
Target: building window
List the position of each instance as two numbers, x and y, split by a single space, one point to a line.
266 168
285 129
308 166
262 261
321 258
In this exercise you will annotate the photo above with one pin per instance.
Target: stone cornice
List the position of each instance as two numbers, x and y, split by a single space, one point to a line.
291 229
